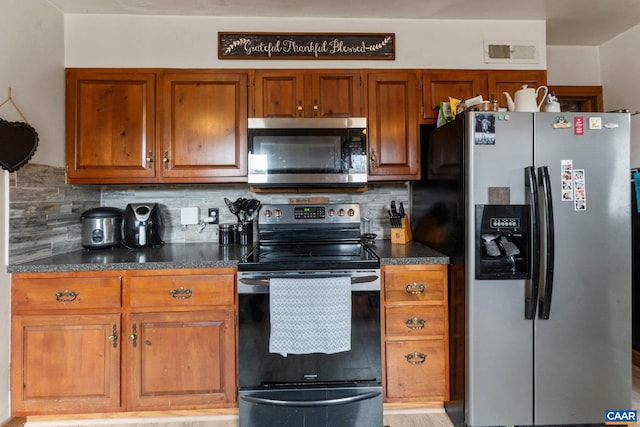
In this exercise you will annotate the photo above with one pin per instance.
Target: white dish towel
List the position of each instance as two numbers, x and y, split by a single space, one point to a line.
310 315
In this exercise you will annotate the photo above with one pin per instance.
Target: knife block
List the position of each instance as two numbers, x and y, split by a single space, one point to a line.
401 235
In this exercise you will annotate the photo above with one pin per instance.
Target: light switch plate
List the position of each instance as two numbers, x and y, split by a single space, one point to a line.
189 216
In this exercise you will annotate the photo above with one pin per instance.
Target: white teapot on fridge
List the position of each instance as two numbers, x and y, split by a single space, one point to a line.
526 99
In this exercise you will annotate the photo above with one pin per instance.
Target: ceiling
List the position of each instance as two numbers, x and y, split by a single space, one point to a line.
569 22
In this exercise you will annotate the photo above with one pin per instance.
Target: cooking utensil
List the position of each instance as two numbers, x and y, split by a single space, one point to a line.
253 206
234 208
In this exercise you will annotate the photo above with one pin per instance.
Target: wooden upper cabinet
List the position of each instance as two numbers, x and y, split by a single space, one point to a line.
439 85
110 125
393 113
510 81
579 98
304 93
278 93
335 93
203 119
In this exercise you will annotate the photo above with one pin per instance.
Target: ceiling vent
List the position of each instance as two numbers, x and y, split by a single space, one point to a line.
522 52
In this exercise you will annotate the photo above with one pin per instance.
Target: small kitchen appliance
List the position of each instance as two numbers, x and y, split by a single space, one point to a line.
101 227
319 152
142 225
305 250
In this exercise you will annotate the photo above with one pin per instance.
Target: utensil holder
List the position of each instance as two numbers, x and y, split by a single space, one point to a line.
244 233
402 235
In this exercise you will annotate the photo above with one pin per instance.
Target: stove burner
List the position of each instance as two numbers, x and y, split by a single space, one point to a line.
316 237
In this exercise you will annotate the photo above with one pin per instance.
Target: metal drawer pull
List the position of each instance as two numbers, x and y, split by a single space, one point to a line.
416 358
114 336
414 288
66 296
181 293
415 323
134 335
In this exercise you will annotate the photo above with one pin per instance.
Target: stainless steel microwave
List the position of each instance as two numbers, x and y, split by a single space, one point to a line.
320 152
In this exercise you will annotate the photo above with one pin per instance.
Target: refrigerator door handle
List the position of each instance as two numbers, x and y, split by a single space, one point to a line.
545 296
531 293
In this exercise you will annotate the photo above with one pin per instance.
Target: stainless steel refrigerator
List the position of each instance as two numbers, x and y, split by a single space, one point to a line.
536 208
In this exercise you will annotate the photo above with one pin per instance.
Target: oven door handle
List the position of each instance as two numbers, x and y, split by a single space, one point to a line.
264 281
311 403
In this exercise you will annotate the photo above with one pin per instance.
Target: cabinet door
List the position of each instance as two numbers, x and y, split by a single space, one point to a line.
65 363
510 81
278 93
334 93
438 86
181 360
204 126
110 126
394 146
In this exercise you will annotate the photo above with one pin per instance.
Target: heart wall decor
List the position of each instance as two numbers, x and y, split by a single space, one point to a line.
18 143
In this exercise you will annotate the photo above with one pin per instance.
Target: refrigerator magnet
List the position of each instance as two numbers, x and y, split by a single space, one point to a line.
561 123
566 172
579 190
595 123
578 129
485 129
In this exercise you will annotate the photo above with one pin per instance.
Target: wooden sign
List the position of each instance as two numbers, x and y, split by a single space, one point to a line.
306 46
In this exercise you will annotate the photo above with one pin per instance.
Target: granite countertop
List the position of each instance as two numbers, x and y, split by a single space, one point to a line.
198 255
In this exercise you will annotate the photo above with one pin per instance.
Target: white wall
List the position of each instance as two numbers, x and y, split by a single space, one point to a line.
191 42
620 71
573 65
31 48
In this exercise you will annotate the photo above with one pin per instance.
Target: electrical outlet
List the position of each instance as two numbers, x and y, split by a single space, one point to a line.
214 214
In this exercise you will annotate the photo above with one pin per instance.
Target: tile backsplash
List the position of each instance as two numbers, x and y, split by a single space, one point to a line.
45 212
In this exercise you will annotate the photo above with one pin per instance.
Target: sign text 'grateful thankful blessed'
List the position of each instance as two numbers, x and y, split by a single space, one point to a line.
306 46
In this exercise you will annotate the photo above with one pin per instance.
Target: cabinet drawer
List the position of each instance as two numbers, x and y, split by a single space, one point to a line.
414 321
414 285
65 293
416 370
181 290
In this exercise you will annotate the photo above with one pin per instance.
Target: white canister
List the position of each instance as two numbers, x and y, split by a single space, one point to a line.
552 107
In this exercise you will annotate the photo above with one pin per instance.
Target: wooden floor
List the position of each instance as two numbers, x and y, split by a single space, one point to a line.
392 418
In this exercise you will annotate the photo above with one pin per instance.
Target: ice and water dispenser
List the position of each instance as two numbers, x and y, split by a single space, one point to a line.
502 242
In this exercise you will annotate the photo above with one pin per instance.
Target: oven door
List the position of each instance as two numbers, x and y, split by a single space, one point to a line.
341 389
260 369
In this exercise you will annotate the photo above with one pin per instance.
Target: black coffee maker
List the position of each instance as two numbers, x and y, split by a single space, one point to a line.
142 225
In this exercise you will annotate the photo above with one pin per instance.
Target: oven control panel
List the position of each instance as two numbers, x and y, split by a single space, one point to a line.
309 212
316 214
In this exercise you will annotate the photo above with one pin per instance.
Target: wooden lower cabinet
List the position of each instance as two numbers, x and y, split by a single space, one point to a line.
181 347
65 363
415 330
102 342
182 360
65 343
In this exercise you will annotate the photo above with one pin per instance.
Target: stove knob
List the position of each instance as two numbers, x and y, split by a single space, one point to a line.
332 212
351 212
341 212
267 213
278 213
